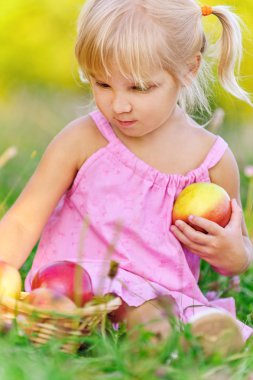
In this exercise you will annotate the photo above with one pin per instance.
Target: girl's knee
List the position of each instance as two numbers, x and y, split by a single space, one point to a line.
151 317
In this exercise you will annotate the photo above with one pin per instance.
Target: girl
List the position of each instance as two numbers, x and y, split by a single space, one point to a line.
127 161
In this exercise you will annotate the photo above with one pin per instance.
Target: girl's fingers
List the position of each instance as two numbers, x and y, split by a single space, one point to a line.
213 228
210 227
192 234
236 217
193 247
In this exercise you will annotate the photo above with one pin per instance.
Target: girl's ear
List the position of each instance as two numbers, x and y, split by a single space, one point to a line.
193 68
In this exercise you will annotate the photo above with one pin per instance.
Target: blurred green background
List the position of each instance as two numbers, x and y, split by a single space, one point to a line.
40 89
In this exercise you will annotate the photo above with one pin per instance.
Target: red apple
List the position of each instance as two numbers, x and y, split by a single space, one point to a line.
207 200
120 314
67 278
50 300
10 281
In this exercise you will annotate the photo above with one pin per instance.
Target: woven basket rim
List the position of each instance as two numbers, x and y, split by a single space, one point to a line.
17 306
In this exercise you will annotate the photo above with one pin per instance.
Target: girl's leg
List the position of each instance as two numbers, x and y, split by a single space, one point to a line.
153 318
217 331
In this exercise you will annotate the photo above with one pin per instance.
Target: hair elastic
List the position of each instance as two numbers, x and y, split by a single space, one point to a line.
206 10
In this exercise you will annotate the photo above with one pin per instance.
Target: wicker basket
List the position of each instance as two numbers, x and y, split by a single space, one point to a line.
41 326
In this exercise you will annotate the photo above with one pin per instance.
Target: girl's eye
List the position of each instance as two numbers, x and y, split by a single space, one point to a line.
103 85
134 88
142 89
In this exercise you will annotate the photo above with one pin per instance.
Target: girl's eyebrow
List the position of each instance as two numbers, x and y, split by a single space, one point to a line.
93 76
99 80
130 83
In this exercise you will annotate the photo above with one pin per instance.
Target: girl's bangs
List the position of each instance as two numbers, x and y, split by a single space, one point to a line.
137 59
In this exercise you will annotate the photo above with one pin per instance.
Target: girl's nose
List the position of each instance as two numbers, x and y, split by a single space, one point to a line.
121 104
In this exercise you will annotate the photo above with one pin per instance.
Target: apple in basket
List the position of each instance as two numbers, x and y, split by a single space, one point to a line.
207 200
49 299
45 300
10 281
67 278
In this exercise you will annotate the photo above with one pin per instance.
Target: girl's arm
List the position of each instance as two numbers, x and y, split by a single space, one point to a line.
22 225
229 250
226 174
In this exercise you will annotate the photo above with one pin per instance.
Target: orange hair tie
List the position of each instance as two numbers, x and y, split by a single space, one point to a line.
206 10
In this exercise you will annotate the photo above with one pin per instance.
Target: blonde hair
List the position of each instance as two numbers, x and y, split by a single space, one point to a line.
141 36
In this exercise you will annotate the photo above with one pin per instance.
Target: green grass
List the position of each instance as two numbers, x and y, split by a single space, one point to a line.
29 121
115 356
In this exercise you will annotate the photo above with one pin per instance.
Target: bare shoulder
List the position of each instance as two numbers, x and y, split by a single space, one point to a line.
81 138
225 173
199 142
201 136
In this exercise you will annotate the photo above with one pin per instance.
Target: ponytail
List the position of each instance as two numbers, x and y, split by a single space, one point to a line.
230 52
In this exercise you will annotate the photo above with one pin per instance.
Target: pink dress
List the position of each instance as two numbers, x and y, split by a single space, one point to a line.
115 186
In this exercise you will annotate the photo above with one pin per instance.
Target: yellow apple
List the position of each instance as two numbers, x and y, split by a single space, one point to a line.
43 301
204 199
48 299
10 281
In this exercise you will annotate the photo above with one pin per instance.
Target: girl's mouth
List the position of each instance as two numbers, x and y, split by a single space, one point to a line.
127 123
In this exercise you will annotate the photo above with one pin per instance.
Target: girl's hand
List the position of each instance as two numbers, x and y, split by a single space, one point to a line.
223 248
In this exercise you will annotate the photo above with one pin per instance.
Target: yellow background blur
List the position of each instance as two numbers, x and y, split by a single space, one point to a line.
37 45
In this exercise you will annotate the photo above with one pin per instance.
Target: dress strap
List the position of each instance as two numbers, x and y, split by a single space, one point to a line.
216 152
103 125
